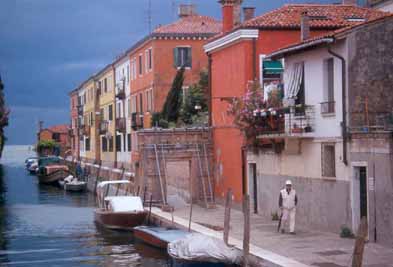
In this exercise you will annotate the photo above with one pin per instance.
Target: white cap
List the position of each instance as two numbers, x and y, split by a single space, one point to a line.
288 182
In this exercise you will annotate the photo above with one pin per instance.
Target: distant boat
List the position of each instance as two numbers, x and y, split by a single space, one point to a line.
118 212
51 174
158 237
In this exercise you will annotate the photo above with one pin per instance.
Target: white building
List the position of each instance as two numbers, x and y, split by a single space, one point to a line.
384 5
333 135
123 110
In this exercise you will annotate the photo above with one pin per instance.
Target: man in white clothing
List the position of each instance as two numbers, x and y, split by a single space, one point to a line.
287 203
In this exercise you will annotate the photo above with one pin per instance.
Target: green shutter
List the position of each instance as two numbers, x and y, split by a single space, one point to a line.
272 67
189 57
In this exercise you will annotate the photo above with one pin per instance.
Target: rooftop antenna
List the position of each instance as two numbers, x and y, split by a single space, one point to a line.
174 9
149 19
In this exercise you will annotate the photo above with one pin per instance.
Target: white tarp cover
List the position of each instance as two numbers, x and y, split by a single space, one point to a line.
125 203
104 183
202 248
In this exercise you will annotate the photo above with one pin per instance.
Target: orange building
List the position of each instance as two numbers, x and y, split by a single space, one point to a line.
238 56
57 133
74 133
155 60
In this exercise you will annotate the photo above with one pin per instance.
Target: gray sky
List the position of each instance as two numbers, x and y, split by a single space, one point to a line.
47 47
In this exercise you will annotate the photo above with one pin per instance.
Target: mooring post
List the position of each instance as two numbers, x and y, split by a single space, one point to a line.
151 201
246 234
227 215
357 257
144 195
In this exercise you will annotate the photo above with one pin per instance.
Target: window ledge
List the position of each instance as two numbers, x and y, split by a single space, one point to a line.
330 114
186 68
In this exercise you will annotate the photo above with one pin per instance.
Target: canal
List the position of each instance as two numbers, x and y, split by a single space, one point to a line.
44 226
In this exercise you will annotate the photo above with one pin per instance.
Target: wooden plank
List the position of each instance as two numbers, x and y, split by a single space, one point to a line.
227 215
361 236
246 234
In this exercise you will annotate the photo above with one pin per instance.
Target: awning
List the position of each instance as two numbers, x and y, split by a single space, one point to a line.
272 67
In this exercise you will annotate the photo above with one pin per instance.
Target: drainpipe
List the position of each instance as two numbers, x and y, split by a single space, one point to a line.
114 116
344 104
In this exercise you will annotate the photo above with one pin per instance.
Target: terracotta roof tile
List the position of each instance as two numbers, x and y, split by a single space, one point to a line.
321 16
194 24
62 128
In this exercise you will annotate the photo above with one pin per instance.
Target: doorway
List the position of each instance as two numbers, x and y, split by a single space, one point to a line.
360 196
252 171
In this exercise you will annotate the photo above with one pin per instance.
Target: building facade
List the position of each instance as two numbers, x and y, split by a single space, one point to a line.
74 133
239 56
336 146
383 5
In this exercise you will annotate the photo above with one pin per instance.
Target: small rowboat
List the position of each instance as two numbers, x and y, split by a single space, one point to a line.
75 186
158 237
118 212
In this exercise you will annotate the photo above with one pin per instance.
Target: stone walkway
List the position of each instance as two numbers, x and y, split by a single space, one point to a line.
306 248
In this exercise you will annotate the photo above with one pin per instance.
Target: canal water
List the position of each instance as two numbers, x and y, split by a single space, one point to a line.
44 226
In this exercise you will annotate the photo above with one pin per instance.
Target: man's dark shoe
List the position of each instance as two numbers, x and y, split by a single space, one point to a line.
292 233
282 231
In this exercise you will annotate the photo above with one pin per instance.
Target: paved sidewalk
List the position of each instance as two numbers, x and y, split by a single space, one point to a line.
307 247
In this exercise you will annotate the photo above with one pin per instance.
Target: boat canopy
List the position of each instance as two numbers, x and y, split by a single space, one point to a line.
125 203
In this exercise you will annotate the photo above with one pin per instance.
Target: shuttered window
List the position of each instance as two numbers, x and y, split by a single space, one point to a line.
182 57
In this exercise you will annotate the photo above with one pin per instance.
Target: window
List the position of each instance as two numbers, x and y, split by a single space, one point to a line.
128 73
91 119
140 65
104 144
301 94
56 137
141 103
328 104
149 99
110 142
128 142
118 143
110 115
328 160
124 142
133 69
105 85
150 61
182 57
147 61
133 104
87 144
118 109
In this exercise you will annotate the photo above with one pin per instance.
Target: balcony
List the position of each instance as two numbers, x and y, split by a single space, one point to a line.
328 107
136 121
103 127
84 130
290 122
80 110
121 94
121 125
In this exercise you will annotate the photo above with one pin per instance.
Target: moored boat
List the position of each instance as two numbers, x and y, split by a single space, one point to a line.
51 174
75 186
118 212
158 237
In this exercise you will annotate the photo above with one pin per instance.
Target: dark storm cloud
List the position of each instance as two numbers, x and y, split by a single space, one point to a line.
47 47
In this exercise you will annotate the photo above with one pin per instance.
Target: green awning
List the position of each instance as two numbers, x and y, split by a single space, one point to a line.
272 67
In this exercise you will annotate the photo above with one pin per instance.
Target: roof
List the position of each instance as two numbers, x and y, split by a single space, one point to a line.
61 128
190 26
322 17
324 38
193 24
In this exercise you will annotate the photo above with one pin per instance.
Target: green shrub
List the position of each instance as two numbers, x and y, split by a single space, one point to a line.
346 232
275 216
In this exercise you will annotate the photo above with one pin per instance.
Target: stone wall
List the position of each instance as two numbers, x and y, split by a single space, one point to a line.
181 168
370 74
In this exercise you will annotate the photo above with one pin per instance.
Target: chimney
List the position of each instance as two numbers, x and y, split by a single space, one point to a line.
227 14
248 13
350 2
186 10
237 12
304 26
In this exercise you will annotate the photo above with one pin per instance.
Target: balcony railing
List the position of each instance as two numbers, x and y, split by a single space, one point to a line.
80 110
328 107
84 130
103 127
136 121
121 94
121 125
296 121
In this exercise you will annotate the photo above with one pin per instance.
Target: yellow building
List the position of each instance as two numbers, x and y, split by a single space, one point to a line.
105 82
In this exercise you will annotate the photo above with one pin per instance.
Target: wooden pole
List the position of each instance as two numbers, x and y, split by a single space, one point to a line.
246 234
357 257
190 218
144 195
227 215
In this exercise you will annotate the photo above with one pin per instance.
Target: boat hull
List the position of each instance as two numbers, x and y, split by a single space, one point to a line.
53 177
119 220
74 187
158 237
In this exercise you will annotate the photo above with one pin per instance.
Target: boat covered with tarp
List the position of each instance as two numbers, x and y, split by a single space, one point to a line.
116 208
158 237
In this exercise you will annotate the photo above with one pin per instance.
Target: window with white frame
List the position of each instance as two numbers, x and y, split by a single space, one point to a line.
128 73
133 104
147 61
328 104
140 64
149 99
182 57
150 61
